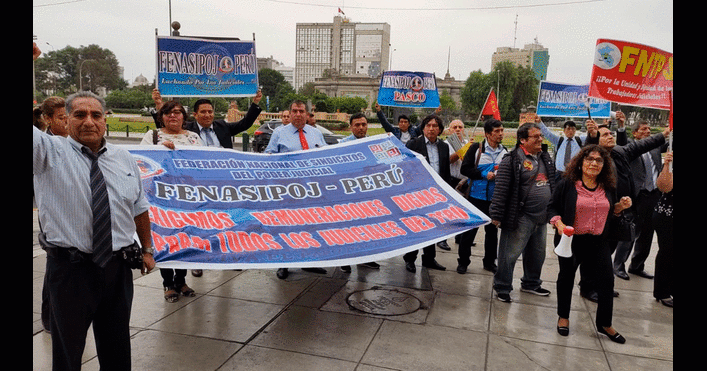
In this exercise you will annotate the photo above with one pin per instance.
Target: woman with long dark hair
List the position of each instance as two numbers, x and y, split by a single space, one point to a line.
586 200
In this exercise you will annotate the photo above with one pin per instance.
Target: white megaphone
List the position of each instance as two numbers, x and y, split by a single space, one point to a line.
564 248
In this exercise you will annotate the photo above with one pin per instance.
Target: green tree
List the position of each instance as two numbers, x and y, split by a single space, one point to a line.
515 88
58 71
276 88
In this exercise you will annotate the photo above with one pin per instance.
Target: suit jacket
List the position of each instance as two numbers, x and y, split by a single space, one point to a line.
225 130
418 145
638 169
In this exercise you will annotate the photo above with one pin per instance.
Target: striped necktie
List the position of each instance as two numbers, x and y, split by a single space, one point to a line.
102 239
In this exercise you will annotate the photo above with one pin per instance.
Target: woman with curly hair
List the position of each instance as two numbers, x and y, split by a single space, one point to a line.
586 200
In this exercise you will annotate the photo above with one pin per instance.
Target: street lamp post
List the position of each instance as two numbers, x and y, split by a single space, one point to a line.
81 74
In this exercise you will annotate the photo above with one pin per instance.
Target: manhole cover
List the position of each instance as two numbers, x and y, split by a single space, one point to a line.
383 302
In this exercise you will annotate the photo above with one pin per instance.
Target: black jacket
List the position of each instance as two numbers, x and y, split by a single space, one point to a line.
418 145
564 201
506 203
225 130
623 155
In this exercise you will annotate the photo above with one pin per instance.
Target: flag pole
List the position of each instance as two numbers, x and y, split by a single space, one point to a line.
481 112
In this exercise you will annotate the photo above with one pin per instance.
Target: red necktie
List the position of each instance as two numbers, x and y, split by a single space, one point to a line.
302 139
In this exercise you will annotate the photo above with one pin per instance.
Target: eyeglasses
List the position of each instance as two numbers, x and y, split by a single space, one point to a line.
537 136
175 112
597 160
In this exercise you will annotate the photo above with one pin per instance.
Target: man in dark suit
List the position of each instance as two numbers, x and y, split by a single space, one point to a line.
218 133
436 152
645 170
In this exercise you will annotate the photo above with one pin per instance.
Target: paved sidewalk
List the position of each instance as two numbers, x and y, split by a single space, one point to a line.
250 320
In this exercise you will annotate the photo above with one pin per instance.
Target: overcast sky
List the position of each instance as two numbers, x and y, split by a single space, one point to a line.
423 32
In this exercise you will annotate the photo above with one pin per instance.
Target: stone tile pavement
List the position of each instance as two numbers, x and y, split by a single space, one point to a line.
250 320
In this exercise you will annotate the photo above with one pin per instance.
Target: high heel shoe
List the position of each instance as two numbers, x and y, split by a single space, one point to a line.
563 330
616 338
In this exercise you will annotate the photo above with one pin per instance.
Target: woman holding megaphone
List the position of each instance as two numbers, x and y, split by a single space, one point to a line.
586 200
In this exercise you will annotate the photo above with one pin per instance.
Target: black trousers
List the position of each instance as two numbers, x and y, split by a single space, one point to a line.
664 271
428 255
82 294
594 253
174 278
490 240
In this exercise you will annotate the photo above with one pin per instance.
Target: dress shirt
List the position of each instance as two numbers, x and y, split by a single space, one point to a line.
348 139
285 138
553 138
208 136
63 191
433 154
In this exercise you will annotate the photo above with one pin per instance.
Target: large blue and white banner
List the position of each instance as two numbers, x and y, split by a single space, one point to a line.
408 89
189 67
346 204
564 100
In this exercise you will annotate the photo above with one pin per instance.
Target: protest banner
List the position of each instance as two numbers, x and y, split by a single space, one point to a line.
200 67
351 203
633 74
408 89
565 100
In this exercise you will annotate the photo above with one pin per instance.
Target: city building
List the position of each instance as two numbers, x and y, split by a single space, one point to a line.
340 48
532 55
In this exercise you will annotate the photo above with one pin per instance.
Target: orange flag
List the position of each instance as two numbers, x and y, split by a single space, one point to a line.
491 106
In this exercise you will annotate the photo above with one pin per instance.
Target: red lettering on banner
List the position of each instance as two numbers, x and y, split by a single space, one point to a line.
320 215
419 199
240 241
199 219
417 223
364 233
449 214
303 240
180 241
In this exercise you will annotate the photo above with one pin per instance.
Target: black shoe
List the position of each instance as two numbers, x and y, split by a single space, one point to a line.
434 265
315 270
668 302
563 330
461 269
491 268
622 275
616 338
346 268
372 265
410 267
506 298
197 272
641 273
591 296
282 273
444 246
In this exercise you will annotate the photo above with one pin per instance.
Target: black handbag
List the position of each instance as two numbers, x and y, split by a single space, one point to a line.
622 227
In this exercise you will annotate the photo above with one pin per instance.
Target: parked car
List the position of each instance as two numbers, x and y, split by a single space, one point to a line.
261 136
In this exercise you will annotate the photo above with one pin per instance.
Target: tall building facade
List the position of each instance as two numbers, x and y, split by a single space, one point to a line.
532 55
341 48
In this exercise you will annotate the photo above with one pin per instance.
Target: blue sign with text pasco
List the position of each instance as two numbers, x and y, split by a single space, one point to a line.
408 89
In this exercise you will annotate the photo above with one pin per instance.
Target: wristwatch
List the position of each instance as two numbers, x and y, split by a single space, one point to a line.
148 250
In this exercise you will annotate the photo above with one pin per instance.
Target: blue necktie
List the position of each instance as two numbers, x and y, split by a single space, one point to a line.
102 238
207 134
